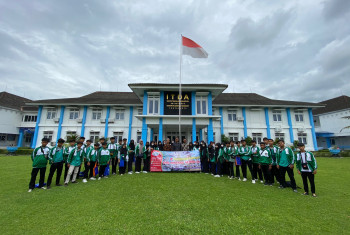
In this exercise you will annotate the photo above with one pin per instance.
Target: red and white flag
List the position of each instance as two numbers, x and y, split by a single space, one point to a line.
192 49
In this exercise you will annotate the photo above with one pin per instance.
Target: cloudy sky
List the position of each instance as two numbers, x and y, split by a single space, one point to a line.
292 50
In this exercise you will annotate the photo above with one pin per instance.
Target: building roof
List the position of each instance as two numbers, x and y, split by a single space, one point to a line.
335 104
12 101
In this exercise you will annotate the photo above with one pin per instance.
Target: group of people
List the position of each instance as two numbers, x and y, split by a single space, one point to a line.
267 162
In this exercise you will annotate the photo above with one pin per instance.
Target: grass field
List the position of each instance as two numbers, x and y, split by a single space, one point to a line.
173 203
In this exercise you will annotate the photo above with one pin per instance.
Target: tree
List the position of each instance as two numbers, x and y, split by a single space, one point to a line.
225 139
248 140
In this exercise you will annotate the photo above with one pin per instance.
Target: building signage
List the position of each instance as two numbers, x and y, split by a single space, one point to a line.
171 103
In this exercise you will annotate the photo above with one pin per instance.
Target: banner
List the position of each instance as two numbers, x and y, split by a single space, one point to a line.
175 161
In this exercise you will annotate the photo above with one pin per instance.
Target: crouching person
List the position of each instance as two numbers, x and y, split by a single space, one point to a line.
74 161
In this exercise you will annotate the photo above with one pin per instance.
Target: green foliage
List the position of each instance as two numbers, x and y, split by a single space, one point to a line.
173 203
249 140
225 139
72 137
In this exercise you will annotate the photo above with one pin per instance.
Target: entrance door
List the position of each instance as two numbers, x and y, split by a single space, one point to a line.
173 135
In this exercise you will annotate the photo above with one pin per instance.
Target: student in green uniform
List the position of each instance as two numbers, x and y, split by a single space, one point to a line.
74 161
238 162
227 156
265 163
103 158
86 151
67 151
307 168
274 171
244 152
212 159
39 157
56 161
255 160
131 155
285 163
113 150
219 153
92 158
231 156
139 150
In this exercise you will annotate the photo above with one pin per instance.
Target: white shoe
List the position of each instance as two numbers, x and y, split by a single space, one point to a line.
145 172
239 179
130 173
206 173
245 179
84 181
253 181
92 178
212 174
114 174
261 181
106 177
43 188
30 190
121 174
99 178
137 172
228 177
217 176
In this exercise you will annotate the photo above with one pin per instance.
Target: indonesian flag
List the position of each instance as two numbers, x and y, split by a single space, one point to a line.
192 49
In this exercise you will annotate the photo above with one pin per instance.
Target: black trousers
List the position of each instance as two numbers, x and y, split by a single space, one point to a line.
290 172
78 175
86 170
213 168
305 176
131 160
205 163
246 163
146 163
55 166
101 171
138 164
225 168
66 168
219 166
122 169
231 170
257 171
275 173
114 165
33 177
267 174
238 172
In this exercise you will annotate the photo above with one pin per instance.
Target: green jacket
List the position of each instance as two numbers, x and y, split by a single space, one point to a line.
76 157
244 152
103 156
40 157
274 152
87 150
113 150
92 155
255 154
220 156
310 159
286 153
56 155
264 156
227 153
67 151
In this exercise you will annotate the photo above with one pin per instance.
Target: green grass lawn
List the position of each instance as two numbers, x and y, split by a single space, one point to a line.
173 203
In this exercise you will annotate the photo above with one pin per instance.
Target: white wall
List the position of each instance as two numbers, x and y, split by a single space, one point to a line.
333 122
10 120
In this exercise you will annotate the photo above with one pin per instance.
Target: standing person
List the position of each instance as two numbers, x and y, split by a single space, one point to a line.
212 159
67 151
147 157
86 151
219 153
307 167
227 156
122 160
74 161
274 171
167 145
131 156
139 150
244 152
231 159
160 146
177 145
185 146
103 158
266 141
265 163
56 161
92 157
113 151
255 160
204 157
39 157
190 146
238 161
285 163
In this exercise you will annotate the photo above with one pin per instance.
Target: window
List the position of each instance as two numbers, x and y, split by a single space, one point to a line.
119 114
279 136
94 136
277 116
332 141
201 104
138 136
96 114
70 133
3 137
73 114
48 135
233 136
139 111
118 136
299 116
153 104
51 114
232 116
29 118
257 137
302 138
11 137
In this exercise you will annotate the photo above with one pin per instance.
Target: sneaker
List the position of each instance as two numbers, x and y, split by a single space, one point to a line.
48 187
92 178
114 174
206 173
65 184
314 195
106 177
121 174
261 181
230 178
99 178
30 190
137 172
74 182
294 190
305 193
59 185
253 181
43 188
245 179
239 179
145 172
84 181
130 173
217 176
212 174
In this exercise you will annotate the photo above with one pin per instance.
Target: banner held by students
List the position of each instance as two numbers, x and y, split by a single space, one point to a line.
163 161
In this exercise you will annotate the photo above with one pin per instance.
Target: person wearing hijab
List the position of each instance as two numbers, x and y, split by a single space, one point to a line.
190 146
131 155
212 159
146 158
219 153
204 157
139 152
122 160
160 146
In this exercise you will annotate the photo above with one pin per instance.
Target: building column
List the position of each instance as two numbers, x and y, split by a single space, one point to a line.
267 123
200 134
210 113
144 125
328 141
194 132
244 123
20 137
291 135
161 112
312 124
59 131
193 110
151 134
130 123
36 132
221 121
107 117
82 132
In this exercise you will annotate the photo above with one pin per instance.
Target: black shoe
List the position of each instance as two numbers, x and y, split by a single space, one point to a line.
305 193
65 184
265 184
74 182
281 187
58 185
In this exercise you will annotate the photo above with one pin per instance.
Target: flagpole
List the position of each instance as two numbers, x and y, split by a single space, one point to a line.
180 92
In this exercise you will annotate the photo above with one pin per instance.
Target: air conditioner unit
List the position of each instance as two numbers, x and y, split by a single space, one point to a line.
79 120
240 119
278 129
102 120
301 129
110 120
56 120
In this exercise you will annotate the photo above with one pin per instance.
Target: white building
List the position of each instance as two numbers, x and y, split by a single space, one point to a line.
330 122
150 112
